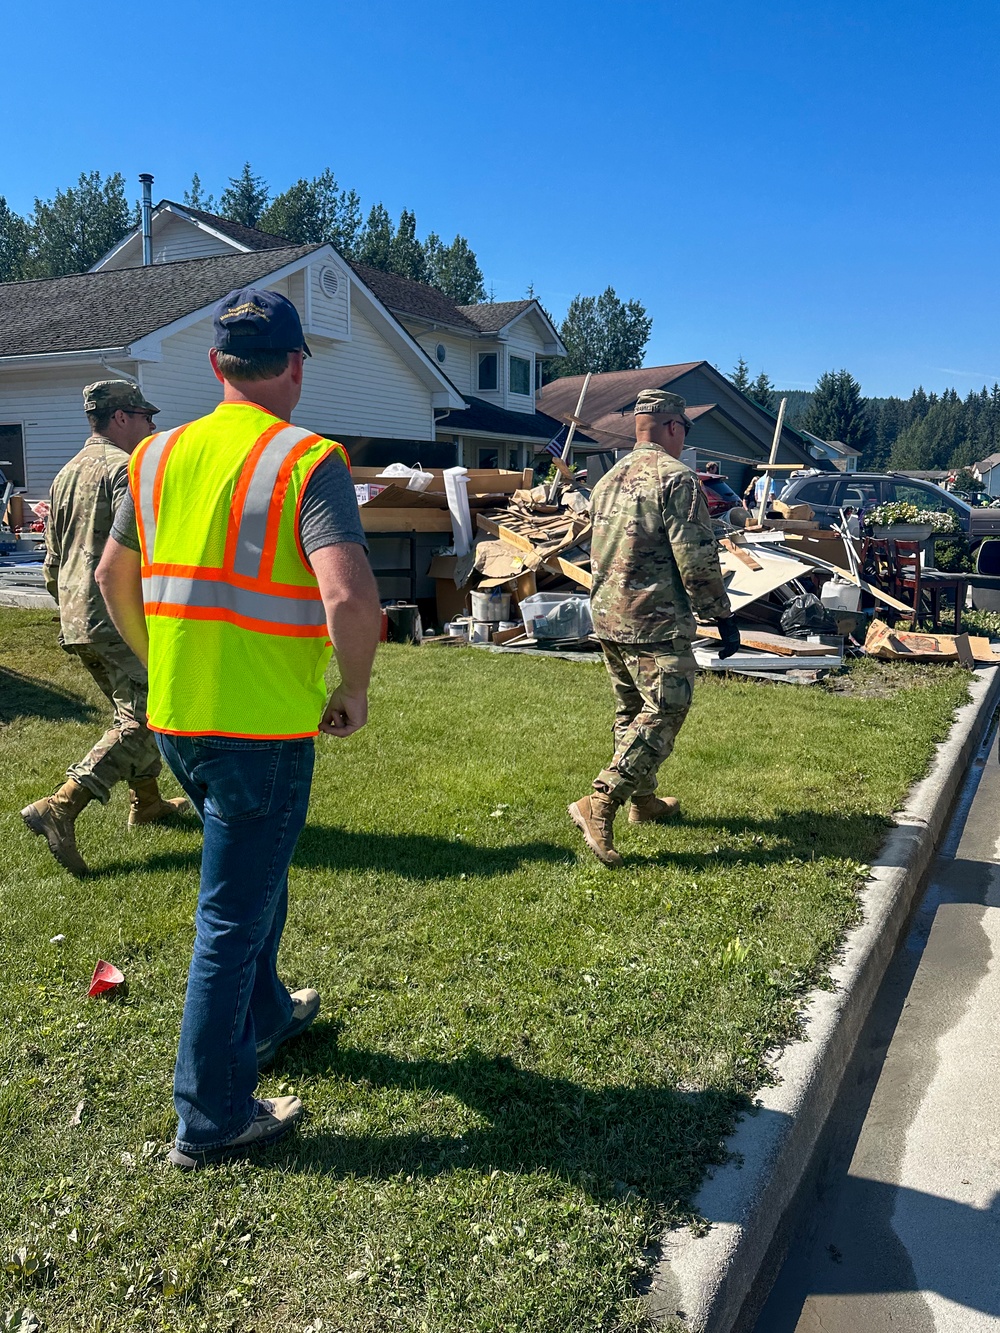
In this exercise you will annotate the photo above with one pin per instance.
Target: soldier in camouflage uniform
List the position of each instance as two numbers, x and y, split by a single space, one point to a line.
83 501
655 564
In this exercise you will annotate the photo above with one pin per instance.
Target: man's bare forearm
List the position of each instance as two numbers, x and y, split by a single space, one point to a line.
354 629
120 581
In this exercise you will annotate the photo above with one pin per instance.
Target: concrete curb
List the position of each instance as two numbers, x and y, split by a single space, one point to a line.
704 1281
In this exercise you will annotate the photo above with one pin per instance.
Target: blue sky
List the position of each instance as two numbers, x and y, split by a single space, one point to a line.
810 186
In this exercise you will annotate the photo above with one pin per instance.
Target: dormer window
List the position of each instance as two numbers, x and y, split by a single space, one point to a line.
520 375
488 371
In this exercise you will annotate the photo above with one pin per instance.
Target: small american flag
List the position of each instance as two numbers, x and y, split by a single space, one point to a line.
555 445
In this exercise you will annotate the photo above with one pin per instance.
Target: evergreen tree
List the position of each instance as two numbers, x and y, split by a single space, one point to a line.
454 269
14 242
740 378
70 232
761 391
406 254
838 411
314 211
245 198
375 240
195 197
603 333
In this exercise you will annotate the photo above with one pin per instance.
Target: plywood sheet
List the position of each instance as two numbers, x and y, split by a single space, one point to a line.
746 586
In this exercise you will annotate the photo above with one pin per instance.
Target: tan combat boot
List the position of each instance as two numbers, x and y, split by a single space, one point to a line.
54 818
653 809
594 816
147 806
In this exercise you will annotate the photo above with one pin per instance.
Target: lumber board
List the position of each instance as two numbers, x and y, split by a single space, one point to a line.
767 642
741 553
405 520
554 564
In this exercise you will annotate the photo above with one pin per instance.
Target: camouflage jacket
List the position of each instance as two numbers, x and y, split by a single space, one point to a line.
83 501
654 557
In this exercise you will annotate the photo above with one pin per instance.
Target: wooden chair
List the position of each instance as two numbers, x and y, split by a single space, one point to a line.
911 582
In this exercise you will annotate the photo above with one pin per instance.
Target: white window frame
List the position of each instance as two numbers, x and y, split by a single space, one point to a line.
529 360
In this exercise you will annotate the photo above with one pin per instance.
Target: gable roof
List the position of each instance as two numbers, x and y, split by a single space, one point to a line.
987 464
610 392
112 308
492 316
251 237
404 296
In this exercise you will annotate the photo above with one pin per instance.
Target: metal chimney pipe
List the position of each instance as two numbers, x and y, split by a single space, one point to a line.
146 180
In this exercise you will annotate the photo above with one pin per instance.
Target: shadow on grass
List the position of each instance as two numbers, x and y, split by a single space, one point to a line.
26 696
651 1139
410 855
790 835
414 855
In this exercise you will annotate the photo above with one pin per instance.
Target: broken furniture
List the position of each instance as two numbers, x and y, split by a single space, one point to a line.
912 581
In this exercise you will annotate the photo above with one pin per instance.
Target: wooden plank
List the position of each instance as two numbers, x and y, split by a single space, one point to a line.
741 553
554 564
405 520
766 642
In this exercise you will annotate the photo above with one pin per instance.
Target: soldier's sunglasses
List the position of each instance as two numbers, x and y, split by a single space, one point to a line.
147 415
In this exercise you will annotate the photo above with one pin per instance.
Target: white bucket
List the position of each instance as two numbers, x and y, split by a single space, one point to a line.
479 631
457 629
492 606
837 595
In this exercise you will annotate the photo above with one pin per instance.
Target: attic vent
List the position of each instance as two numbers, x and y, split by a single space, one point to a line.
329 282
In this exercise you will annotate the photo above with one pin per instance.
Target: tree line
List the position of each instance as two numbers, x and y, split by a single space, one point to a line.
72 231
926 432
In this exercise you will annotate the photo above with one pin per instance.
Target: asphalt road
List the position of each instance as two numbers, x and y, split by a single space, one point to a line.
899 1226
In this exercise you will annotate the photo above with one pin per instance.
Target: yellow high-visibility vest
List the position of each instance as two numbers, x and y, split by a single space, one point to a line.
238 641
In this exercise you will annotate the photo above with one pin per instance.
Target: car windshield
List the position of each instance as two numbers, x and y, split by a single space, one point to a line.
721 488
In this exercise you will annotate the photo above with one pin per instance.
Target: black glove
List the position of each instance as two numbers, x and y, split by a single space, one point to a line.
730 637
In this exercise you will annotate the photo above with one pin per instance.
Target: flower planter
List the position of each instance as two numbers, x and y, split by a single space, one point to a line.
904 532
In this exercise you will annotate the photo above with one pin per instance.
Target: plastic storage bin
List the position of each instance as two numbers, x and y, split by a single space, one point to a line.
557 615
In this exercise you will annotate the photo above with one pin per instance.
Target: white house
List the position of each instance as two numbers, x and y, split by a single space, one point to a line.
367 377
988 472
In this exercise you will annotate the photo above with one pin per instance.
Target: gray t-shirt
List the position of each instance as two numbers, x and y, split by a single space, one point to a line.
328 514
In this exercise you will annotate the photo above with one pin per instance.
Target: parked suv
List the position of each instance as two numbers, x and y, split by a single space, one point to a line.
829 492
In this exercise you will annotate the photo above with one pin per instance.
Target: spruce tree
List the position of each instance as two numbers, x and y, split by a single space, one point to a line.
14 241
375 241
314 211
406 254
245 198
454 269
740 378
761 391
838 411
71 231
603 333
195 196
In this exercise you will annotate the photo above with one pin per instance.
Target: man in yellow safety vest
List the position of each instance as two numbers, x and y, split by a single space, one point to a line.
235 564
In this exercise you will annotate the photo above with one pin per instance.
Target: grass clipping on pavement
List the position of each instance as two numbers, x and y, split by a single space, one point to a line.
524 1062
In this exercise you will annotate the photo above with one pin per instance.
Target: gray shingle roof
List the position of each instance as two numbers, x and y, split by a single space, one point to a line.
488 418
492 316
115 307
405 297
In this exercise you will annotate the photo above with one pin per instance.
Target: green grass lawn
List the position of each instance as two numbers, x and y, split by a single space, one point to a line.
525 1062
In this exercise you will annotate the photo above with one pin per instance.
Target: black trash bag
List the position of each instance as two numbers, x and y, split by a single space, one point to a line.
806 615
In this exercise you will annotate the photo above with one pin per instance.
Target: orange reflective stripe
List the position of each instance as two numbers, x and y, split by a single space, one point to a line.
270 550
158 480
178 611
240 493
337 448
303 592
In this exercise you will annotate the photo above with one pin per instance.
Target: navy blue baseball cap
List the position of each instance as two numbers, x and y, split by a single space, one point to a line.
254 319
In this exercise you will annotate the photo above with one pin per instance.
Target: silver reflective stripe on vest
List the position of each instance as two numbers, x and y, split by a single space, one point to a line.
257 502
149 466
219 596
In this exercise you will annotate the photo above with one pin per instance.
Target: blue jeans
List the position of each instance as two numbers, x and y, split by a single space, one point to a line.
252 797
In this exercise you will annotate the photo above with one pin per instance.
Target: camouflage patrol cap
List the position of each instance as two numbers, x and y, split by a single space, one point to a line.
661 401
114 396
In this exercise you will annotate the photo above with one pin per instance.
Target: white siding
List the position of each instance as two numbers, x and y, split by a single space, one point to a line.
458 358
524 335
173 239
329 317
48 404
362 387
183 385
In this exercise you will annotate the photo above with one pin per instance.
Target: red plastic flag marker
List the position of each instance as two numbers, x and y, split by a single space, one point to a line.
106 977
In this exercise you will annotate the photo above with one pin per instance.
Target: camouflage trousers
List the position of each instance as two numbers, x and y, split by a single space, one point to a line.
127 749
652 684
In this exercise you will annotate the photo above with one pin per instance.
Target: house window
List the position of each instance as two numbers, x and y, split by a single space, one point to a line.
12 455
520 375
515 458
489 458
488 370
